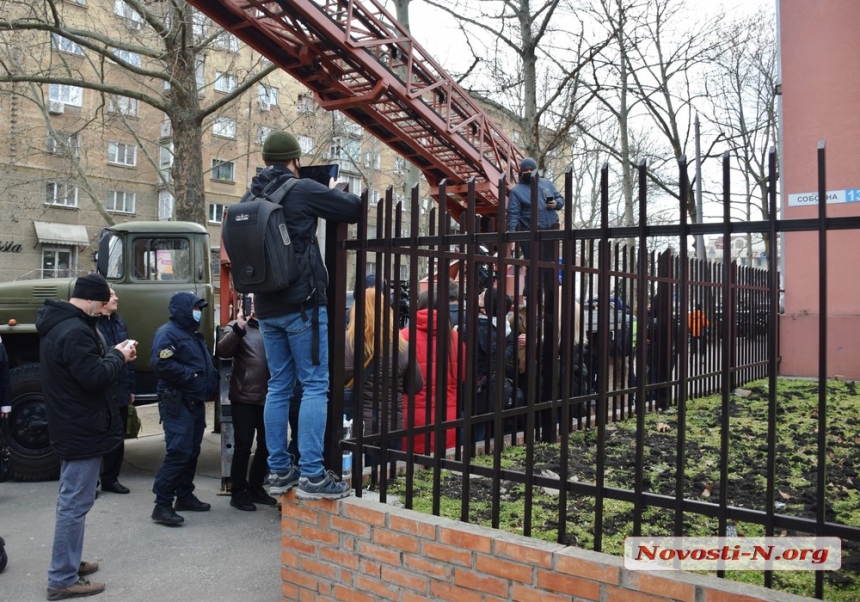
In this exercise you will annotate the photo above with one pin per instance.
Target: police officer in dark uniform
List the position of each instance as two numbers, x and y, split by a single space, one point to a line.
186 379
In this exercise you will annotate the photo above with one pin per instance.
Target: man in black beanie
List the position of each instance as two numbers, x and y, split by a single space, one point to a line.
78 376
294 323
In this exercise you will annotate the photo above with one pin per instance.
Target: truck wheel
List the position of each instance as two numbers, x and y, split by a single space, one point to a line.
29 446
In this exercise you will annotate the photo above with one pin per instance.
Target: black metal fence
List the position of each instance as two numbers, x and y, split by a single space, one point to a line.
615 330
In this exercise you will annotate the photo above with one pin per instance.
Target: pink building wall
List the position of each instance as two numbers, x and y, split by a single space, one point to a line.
820 64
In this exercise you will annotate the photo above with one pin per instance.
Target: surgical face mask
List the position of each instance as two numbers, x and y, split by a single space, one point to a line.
196 313
526 178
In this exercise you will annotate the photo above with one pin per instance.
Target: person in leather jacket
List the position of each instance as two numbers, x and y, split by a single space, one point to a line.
243 342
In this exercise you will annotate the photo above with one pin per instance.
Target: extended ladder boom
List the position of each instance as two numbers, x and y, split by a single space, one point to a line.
359 60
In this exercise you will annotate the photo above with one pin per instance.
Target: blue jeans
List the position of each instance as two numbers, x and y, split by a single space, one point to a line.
183 434
77 493
288 341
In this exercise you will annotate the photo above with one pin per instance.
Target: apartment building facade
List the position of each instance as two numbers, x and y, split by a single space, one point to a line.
74 159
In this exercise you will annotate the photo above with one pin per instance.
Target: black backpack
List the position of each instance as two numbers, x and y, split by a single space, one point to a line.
257 242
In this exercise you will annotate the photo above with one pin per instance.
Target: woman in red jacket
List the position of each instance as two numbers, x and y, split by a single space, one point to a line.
425 398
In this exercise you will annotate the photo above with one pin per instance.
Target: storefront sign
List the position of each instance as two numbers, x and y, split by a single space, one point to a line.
9 246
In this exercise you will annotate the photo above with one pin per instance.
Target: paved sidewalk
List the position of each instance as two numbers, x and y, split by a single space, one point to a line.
223 554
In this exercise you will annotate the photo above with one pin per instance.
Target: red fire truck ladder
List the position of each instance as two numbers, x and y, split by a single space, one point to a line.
359 60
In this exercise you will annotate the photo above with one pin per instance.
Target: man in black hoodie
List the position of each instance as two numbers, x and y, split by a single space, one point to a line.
186 380
78 376
294 323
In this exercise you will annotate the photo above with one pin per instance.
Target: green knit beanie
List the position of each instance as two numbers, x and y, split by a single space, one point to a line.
280 147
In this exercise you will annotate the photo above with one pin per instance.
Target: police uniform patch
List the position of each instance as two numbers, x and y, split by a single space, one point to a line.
166 354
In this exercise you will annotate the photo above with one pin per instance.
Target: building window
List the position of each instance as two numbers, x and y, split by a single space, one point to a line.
120 201
226 41
399 164
166 127
372 159
267 95
61 194
371 265
123 105
64 144
216 213
354 184
122 153
165 160
224 82
132 58
132 19
305 104
224 127
62 44
165 206
200 73
222 170
57 263
198 25
262 133
306 143
70 95
374 198
335 149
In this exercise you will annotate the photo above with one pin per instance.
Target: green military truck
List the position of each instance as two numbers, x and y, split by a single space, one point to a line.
145 263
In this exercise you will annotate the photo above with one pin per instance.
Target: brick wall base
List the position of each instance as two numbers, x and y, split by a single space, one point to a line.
360 550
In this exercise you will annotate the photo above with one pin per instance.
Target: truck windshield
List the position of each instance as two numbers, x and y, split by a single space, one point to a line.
162 259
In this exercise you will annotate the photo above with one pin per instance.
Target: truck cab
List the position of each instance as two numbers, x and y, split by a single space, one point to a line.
145 263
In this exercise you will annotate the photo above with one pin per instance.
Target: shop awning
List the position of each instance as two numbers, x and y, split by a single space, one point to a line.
61 234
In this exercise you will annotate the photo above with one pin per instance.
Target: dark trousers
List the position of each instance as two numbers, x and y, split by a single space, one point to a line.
112 461
248 420
183 434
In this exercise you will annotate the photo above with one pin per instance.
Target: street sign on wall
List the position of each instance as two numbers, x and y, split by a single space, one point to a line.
805 199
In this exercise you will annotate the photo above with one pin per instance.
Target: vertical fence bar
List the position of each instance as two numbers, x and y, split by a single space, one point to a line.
770 501
642 343
728 343
821 480
683 365
568 353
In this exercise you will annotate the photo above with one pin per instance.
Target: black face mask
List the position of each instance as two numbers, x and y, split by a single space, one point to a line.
526 178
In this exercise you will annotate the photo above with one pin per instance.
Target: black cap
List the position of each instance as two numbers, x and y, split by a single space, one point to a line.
92 287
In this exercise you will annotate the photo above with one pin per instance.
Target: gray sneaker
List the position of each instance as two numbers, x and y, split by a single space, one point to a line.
330 488
280 483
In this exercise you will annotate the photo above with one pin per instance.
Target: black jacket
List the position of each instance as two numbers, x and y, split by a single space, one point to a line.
114 331
78 380
179 353
306 203
249 375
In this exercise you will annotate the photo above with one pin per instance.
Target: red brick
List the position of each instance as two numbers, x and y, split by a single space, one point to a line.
289 591
661 586
715 595
289 558
350 526
348 594
289 526
396 541
368 567
503 568
452 593
299 545
299 577
376 588
406 579
481 583
523 593
314 534
565 584
377 553
323 570
447 553
429 567
365 515
585 568
301 513
412 526
340 557
412 597
619 594
465 539
524 553
306 595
